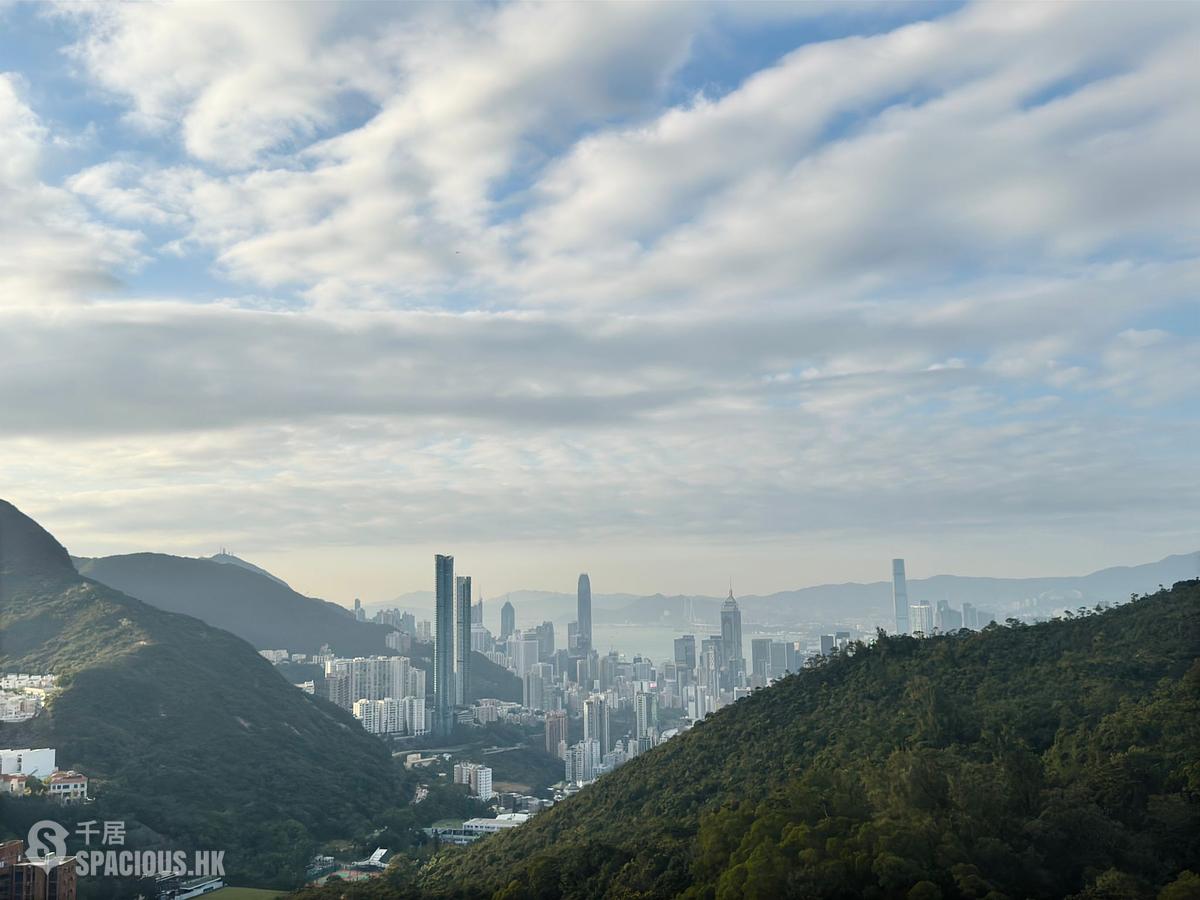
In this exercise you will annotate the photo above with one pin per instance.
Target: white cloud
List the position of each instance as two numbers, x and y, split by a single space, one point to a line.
237 82
853 168
920 278
51 250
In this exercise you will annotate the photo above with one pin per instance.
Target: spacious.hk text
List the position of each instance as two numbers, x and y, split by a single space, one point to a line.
48 839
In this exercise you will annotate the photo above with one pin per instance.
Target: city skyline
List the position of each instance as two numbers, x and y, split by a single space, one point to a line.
404 576
811 387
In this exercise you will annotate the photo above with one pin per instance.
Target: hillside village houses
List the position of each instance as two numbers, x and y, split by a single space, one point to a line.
22 696
20 767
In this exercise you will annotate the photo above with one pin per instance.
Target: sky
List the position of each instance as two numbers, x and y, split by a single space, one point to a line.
670 293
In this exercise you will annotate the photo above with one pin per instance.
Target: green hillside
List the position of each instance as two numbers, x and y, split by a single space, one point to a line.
253 605
261 609
184 728
1058 760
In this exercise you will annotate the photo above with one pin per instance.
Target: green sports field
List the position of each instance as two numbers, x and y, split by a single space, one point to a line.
240 893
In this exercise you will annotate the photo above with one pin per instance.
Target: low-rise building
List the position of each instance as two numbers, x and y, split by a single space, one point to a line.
68 787
35 880
491 826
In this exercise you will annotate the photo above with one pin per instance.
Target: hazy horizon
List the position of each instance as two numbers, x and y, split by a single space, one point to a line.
308 575
670 293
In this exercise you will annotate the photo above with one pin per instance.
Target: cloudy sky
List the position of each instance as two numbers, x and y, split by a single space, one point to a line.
671 293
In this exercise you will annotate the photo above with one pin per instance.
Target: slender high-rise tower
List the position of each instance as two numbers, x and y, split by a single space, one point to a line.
443 644
731 639
900 596
596 722
508 620
584 613
462 644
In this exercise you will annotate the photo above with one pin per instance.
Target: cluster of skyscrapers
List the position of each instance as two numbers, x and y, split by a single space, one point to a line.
920 619
385 693
453 614
388 693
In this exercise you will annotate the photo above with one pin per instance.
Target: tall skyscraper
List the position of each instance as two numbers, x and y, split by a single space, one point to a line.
645 710
685 651
900 596
522 653
462 649
508 621
443 644
921 619
731 638
709 666
584 617
595 722
947 618
778 659
760 658
537 680
556 733
717 644
545 638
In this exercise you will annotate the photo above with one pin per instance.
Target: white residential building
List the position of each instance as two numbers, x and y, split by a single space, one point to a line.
367 712
522 654
415 714
17 707
477 776
921 619
68 787
26 761
491 826
583 759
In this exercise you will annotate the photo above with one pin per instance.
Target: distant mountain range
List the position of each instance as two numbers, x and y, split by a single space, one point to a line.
188 734
830 604
834 603
238 597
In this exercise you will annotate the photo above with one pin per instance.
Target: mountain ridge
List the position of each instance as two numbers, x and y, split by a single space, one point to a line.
185 731
251 603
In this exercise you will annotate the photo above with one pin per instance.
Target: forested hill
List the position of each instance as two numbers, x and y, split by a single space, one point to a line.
187 733
254 605
1045 761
